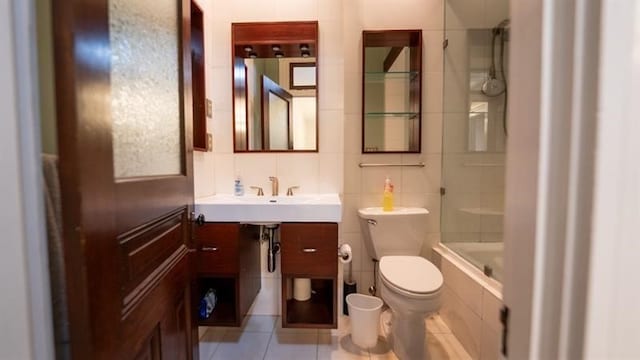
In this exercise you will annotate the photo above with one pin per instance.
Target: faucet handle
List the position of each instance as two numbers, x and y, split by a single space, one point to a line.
290 190
260 192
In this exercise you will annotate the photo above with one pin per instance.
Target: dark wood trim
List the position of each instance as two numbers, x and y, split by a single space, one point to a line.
97 209
70 31
397 39
391 57
261 35
268 86
294 65
199 72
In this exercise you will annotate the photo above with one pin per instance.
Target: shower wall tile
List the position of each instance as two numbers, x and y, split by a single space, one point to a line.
466 288
489 343
432 133
465 14
491 311
463 322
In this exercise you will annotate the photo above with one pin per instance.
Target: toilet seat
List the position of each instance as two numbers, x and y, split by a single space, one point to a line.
412 276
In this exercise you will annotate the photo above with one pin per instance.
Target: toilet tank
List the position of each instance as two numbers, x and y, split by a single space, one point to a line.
397 232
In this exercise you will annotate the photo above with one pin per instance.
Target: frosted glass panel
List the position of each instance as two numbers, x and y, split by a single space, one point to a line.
145 92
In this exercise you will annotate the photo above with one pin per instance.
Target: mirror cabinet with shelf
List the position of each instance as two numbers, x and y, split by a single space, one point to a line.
275 86
392 88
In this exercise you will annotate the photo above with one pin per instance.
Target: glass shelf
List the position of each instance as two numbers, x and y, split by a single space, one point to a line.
383 75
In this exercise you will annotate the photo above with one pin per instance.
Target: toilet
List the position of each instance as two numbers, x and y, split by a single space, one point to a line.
410 285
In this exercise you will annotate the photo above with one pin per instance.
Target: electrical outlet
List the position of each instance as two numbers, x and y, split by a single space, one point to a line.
209 142
209 108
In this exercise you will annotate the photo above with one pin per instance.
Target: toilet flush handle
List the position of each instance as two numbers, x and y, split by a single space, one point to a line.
372 222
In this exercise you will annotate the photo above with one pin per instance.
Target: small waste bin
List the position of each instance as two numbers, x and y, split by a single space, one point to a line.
364 312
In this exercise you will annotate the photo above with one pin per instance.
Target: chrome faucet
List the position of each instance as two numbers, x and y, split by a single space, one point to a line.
274 185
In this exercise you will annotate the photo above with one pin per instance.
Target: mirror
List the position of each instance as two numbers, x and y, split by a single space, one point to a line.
392 85
275 86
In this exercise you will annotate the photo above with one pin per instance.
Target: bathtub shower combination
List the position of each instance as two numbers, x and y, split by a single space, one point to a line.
474 135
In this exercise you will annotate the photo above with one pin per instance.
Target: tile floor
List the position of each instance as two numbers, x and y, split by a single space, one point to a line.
262 337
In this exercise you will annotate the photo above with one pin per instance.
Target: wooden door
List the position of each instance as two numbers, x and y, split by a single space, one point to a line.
127 238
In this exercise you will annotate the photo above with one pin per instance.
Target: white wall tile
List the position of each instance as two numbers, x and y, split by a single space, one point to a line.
222 132
353 134
220 93
203 174
225 174
465 14
432 92
298 170
490 343
464 323
467 289
331 128
359 252
330 83
491 311
352 174
432 133
350 205
330 10
296 10
255 169
330 169
432 50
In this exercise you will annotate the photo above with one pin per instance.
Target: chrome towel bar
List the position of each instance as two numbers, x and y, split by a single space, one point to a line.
420 164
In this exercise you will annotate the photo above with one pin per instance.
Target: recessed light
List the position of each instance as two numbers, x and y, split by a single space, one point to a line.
304 47
248 48
279 54
253 55
305 54
275 47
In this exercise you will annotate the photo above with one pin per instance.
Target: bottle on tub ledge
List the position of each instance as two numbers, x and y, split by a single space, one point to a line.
387 197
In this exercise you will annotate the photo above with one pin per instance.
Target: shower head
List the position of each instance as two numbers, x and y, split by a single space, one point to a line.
502 29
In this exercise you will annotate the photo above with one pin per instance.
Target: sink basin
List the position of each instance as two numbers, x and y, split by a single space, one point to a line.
266 209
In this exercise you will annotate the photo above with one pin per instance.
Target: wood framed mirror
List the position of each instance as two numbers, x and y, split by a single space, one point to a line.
392 91
275 86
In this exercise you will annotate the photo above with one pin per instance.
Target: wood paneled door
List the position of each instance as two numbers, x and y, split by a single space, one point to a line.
124 112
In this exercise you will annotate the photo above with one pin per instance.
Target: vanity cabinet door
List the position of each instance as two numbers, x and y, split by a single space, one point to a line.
309 249
217 245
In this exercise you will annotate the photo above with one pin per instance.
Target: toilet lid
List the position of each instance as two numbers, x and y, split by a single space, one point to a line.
411 273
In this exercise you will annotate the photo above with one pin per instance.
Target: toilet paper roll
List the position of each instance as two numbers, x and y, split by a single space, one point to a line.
301 289
345 253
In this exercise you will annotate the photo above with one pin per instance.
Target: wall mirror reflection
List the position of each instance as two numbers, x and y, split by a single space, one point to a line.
275 86
392 86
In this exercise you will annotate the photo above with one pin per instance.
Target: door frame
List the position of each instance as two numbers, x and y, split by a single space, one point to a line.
572 180
28 322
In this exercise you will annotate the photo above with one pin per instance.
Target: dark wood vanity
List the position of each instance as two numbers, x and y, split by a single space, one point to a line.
310 250
228 260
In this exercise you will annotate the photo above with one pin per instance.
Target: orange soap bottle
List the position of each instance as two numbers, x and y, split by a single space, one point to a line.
387 197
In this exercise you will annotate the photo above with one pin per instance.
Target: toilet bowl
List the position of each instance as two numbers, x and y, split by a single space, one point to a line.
410 284
411 287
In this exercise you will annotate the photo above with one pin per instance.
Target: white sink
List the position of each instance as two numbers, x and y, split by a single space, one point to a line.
269 209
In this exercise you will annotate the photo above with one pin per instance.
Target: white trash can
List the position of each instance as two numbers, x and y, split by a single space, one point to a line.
364 312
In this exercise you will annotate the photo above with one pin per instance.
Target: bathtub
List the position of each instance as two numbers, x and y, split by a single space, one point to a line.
471 301
487 255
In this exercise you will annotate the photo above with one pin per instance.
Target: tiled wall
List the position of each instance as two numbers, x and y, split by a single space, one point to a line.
413 186
314 172
339 68
470 309
317 172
